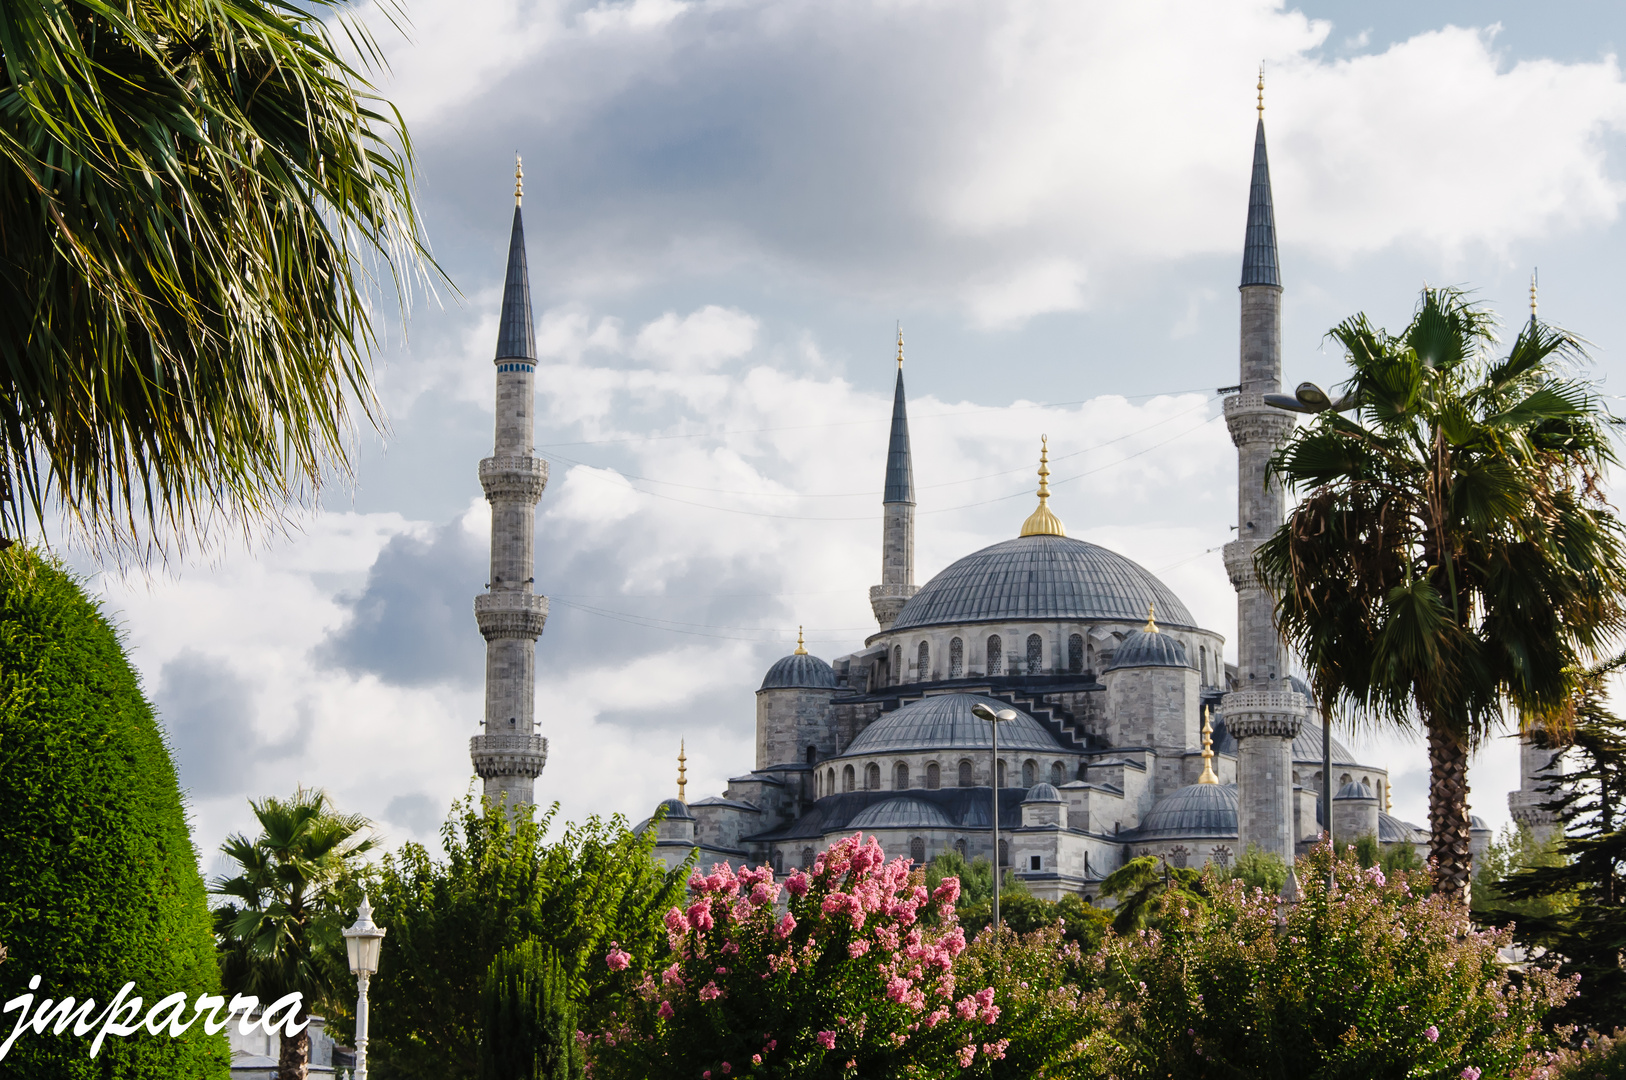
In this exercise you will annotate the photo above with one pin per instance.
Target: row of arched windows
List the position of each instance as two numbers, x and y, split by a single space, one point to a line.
1029 663
1031 774
917 852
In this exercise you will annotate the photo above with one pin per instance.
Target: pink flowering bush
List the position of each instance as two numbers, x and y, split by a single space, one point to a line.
855 977
1377 979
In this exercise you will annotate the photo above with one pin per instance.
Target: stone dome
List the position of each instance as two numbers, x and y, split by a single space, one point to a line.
1355 790
1042 792
1197 810
1306 744
799 671
901 814
1142 648
945 722
675 809
1391 830
1041 577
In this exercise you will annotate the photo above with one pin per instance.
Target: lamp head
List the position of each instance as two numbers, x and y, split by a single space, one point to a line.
364 940
983 712
1313 396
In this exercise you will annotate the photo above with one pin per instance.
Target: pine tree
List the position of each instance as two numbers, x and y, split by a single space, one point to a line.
528 1022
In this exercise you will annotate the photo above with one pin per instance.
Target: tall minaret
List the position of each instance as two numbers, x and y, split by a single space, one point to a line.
1263 713
510 755
897 517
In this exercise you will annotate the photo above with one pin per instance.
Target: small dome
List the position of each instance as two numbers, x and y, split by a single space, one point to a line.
800 670
1391 830
901 814
1355 789
1148 648
1043 793
676 810
1197 810
1477 824
945 722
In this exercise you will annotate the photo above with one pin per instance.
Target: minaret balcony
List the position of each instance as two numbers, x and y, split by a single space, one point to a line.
510 615
517 479
1276 713
1253 423
508 755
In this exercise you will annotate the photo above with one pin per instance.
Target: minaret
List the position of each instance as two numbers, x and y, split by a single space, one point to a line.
510 755
1263 713
897 516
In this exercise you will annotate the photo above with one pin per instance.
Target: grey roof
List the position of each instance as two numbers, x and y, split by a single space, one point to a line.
900 471
1306 744
901 814
1355 790
799 670
1391 830
1041 577
1204 810
515 338
1477 824
945 722
1259 266
1143 649
965 807
675 810
1042 792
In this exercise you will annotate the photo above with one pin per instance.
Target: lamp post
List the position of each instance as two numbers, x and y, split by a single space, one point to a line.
983 712
363 942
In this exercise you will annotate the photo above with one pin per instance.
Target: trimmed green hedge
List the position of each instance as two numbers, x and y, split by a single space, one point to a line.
99 882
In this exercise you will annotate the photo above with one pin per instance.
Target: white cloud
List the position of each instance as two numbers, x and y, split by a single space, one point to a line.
703 339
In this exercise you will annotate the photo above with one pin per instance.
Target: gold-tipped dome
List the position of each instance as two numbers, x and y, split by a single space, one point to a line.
1042 522
801 646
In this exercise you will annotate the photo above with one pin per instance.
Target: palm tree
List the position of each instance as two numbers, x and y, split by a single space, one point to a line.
279 932
195 199
1453 558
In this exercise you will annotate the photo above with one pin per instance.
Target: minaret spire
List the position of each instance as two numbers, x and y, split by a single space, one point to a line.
510 755
1043 522
897 514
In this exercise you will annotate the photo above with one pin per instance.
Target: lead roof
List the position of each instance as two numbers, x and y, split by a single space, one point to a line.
900 471
516 340
1259 266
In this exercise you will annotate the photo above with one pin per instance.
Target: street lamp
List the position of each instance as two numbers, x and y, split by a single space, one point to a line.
363 941
1003 716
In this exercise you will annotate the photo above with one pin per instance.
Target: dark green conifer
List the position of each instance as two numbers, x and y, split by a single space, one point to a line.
528 1022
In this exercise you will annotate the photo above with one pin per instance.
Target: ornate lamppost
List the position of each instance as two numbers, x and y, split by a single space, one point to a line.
363 941
994 719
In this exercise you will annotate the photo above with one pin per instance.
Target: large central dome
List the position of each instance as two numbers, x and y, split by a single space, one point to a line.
1042 577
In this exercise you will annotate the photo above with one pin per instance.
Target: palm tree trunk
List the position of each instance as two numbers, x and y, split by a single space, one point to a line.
294 1054
1448 812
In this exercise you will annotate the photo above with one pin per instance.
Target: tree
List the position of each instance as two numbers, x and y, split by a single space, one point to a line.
1453 555
1147 890
527 1020
99 881
193 200
1514 848
280 930
501 883
1260 870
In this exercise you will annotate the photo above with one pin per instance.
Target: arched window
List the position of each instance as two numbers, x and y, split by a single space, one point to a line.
847 778
956 659
1001 774
830 782
1058 774
1342 780
897 664
996 655
1035 653
1179 857
965 774
1004 853
1202 656
872 777
900 777
778 861
1075 653
924 665
959 847
1221 855
934 777
807 858
917 850
812 754
818 784
1030 773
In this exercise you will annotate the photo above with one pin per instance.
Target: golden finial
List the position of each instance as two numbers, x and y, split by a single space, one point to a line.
801 650
1388 798
1261 91
683 773
900 346
1532 295
1151 618
519 179
1208 776
1042 522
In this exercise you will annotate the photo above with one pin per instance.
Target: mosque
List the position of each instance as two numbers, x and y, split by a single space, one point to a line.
1131 735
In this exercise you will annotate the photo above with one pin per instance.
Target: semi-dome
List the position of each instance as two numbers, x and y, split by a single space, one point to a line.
1148 648
1391 830
1197 810
799 670
1041 577
1042 792
901 814
1306 744
1355 790
945 722
675 809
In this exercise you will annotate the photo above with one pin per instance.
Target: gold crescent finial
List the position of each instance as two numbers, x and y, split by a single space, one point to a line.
801 650
1261 91
1151 618
1208 776
1042 522
519 179
1532 295
900 346
683 771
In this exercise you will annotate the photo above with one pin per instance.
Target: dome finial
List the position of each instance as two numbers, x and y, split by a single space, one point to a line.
1261 91
900 346
1151 618
1042 522
1532 296
801 649
1208 776
519 178
683 774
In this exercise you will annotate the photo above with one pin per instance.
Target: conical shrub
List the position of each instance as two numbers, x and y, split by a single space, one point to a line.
528 1022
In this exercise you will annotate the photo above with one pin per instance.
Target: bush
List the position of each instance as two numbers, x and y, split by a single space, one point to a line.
527 1020
1260 870
99 881
1596 1057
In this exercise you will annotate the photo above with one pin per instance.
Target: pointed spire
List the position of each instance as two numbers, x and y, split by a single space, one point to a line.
683 774
1208 776
1042 522
801 647
900 470
516 340
1259 263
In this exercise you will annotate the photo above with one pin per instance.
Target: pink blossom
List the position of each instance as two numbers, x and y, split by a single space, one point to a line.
665 1011
761 894
827 1039
1375 874
966 1007
700 915
897 988
967 1052
756 1059
855 949
730 949
676 922
1431 1033
672 976
935 1017
706 1075
617 958
785 926
709 992
727 1068
1470 1073
996 1050
797 884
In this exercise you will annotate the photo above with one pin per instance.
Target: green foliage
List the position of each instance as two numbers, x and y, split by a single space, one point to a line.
1514 848
1403 859
195 199
1260 870
1596 1057
527 1020
1083 923
98 877
497 884
1344 984
976 879
1148 890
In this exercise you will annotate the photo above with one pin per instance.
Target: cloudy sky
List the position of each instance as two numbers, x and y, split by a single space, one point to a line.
730 205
